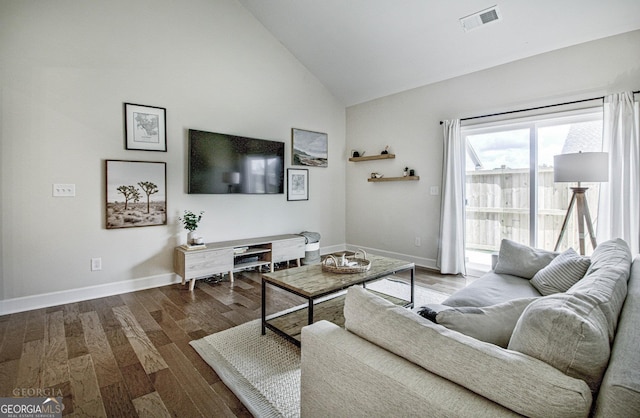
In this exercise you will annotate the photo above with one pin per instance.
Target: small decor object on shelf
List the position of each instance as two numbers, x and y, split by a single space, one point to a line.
347 264
412 172
385 150
190 222
376 175
356 154
405 173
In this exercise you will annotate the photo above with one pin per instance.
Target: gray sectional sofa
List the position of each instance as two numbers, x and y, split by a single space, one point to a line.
525 339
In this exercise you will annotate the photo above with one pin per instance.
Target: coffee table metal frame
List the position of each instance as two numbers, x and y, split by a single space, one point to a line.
321 283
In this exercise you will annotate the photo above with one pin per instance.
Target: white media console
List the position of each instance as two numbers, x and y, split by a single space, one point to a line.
230 256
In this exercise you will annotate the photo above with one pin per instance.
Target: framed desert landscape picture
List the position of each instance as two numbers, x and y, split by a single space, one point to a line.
136 193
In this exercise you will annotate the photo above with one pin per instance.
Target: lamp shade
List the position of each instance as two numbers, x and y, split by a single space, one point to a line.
231 177
581 166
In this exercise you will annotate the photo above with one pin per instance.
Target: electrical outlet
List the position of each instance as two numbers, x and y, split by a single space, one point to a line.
96 264
64 190
418 241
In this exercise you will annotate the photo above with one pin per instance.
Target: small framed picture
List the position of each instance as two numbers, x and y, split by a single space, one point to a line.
145 127
136 193
297 184
309 148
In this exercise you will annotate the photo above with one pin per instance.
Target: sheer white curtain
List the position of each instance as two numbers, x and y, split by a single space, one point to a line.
619 206
452 209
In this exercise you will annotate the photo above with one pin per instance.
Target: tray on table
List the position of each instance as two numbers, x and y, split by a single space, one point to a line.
347 264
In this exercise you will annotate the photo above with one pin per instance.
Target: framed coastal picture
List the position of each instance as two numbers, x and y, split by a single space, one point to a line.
145 127
297 184
136 193
309 148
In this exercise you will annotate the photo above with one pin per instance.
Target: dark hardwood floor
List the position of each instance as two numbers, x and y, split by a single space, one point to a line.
129 355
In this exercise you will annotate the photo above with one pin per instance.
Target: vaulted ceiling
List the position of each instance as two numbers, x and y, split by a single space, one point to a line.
365 49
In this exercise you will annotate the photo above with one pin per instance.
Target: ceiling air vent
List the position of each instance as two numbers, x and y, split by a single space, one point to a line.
481 18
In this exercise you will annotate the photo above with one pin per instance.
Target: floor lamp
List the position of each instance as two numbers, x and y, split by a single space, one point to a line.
579 167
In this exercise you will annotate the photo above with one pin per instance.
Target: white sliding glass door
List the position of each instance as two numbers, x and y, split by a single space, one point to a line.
510 192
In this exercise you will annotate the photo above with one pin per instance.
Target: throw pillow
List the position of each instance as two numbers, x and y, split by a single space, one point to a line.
491 324
521 260
568 332
563 272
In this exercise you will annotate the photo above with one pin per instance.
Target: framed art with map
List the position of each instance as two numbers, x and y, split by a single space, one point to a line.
145 127
297 184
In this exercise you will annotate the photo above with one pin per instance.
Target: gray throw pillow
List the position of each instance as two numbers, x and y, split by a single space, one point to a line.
491 324
563 272
568 332
521 260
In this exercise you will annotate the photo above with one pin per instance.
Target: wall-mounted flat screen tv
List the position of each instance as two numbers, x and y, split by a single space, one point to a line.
223 164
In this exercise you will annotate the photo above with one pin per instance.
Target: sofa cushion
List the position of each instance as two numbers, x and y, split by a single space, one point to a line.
514 380
521 260
606 280
492 324
562 273
568 332
492 289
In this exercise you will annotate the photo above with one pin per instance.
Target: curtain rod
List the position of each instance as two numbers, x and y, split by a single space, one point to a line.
534 108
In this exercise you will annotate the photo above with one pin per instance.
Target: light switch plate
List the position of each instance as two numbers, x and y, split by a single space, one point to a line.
64 190
435 190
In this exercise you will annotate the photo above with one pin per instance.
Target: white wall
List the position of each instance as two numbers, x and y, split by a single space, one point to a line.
387 217
67 67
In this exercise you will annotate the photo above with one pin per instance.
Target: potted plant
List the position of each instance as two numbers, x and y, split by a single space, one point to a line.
190 223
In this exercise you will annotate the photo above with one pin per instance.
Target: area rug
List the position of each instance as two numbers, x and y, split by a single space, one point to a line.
263 371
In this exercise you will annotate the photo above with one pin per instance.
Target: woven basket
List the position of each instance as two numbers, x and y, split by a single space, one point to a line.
354 264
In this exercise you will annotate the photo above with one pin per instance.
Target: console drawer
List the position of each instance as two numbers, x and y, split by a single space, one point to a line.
204 263
286 250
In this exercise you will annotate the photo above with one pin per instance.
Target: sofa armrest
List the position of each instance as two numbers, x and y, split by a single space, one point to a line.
620 390
345 375
494 259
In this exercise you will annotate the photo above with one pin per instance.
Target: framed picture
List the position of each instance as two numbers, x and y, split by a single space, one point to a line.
145 127
136 193
297 184
309 148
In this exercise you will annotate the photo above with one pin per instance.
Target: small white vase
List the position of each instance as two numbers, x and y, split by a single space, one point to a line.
191 237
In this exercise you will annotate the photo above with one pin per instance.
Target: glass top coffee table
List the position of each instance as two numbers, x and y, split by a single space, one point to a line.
316 286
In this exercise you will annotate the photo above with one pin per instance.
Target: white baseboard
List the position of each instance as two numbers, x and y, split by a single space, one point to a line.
333 249
45 300
418 261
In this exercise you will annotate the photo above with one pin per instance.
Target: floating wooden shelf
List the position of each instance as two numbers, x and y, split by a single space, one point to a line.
407 178
373 157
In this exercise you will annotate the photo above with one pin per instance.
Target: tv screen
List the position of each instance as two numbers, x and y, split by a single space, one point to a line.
223 164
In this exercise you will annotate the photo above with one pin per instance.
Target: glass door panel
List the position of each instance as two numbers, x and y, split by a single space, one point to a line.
497 191
554 198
